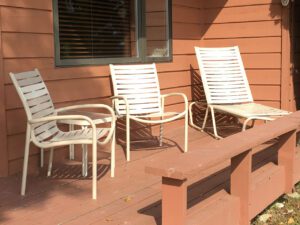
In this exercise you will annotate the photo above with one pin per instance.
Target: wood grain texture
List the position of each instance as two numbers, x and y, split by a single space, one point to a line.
27 45
131 197
3 141
243 13
243 30
231 3
31 4
286 76
256 27
26 20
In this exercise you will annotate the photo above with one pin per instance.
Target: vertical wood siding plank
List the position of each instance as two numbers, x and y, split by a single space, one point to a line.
286 75
3 141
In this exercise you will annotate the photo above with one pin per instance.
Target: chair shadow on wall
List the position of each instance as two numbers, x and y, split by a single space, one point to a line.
227 125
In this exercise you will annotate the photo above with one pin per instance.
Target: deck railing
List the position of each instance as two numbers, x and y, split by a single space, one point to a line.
254 190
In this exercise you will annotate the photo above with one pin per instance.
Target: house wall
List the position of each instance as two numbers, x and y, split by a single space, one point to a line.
296 51
27 43
27 38
255 26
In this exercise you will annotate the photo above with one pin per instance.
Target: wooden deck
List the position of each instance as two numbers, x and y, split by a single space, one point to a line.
132 197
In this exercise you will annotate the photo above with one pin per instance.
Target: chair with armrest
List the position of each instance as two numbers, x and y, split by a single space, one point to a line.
42 127
137 97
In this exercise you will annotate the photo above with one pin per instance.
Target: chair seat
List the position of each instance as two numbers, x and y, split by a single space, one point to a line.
252 109
78 134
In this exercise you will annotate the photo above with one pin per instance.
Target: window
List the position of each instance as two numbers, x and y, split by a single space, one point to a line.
112 31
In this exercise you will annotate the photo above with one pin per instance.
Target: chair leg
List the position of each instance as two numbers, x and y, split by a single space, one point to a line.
94 170
113 156
71 147
245 123
191 118
25 162
205 118
127 138
42 158
161 130
186 131
50 162
214 123
84 160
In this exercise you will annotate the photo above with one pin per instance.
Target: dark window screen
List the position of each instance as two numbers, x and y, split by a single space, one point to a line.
96 29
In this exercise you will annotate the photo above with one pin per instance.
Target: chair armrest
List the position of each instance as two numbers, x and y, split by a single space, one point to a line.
118 97
85 106
199 104
62 117
176 94
99 106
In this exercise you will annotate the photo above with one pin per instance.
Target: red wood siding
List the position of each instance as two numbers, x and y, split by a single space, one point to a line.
256 28
27 40
28 43
296 45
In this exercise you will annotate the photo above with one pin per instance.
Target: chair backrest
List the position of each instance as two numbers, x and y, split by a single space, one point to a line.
223 75
36 101
139 84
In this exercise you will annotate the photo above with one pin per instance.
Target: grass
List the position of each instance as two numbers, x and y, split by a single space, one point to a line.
285 211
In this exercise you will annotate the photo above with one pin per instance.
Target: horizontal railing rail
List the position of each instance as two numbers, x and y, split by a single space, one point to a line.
238 149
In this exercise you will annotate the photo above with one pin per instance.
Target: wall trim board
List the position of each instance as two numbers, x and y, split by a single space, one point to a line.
286 75
3 136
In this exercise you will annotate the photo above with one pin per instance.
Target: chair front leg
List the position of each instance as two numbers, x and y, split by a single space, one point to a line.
84 160
127 138
42 158
186 131
50 162
161 130
192 120
205 118
113 155
246 122
94 169
25 162
214 123
71 147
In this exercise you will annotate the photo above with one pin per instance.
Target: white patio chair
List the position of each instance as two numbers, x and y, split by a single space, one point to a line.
227 89
137 97
42 127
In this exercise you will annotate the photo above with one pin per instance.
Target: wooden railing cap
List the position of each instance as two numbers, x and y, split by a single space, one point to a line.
201 157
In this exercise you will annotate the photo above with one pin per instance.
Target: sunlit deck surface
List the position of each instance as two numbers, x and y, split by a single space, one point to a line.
132 197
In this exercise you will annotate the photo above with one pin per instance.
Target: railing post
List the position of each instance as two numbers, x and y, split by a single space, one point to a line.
174 201
241 166
286 158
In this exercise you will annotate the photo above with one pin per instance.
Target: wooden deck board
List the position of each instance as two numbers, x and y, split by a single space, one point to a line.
132 197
